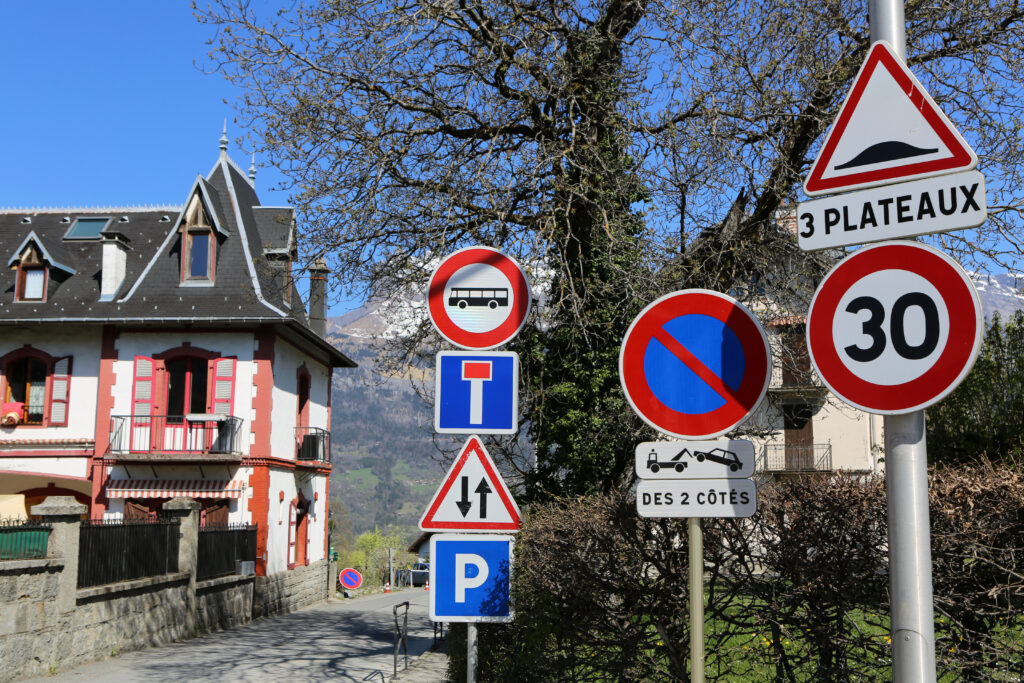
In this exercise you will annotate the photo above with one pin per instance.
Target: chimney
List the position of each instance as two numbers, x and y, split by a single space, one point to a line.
317 297
115 260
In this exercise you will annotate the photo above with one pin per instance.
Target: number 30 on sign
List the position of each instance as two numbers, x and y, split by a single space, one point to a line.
894 327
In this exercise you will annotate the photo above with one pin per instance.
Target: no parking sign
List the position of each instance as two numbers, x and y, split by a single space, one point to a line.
694 364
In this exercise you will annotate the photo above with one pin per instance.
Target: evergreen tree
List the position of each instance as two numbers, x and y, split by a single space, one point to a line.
983 416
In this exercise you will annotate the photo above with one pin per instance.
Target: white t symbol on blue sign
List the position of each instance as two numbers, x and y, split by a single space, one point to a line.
476 392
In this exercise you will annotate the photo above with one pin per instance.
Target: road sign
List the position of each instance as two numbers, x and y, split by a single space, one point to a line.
476 392
470 577
696 498
350 578
478 298
694 364
921 207
888 130
472 496
725 458
894 327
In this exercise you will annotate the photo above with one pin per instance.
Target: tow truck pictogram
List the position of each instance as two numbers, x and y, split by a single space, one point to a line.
654 465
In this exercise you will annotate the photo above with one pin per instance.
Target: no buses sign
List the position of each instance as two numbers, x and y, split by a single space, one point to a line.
894 327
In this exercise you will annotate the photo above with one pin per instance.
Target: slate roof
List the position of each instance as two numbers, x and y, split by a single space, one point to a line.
246 290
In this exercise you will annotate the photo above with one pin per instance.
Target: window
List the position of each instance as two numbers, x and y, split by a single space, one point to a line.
199 253
32 272
186 387
87 228
26 384
197 245
32 283
35 388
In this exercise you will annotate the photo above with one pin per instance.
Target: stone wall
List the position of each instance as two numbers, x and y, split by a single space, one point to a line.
224 603
30 625
127 616
290 590
49 624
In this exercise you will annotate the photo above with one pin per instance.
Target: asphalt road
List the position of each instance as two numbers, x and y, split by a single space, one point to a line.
343 641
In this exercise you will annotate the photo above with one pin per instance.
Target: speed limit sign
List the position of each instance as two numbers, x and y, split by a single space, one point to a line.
894 327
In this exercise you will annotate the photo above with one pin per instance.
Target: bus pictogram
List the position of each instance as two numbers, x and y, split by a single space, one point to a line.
491 298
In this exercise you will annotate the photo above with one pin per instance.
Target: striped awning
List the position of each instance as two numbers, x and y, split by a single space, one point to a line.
171 488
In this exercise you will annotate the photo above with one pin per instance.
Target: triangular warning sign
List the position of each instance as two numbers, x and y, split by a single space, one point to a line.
472 496
888 130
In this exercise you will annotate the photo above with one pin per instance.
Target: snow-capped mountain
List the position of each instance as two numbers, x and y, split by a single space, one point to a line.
1003 294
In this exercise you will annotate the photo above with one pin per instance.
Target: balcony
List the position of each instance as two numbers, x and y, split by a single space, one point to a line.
312 444
796 458
193 437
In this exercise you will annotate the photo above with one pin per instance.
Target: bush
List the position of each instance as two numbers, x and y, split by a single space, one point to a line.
799 592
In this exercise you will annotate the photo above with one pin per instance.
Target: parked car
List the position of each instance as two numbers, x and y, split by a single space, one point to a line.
419 574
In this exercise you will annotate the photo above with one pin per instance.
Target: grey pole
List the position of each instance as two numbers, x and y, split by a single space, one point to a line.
470 652
695 537
906 480
910 553
888 24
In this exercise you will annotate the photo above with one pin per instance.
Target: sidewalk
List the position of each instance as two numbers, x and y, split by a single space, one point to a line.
344 641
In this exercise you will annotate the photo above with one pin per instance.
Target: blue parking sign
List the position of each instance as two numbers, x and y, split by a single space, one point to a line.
476 392
470 577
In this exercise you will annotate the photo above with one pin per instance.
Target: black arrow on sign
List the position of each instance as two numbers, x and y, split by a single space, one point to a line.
465 503
483 489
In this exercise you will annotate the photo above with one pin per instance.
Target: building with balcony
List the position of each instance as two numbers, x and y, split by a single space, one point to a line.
156 352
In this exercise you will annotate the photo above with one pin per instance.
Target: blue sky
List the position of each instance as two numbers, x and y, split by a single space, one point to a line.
104 106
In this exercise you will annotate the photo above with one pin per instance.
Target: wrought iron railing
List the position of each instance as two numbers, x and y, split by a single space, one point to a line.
194 434
796 458
110 551
222 547
22 539
312 443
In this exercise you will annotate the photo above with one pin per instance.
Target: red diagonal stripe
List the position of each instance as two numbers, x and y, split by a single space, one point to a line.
691 361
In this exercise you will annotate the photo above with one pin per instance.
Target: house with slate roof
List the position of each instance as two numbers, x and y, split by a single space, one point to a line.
164 351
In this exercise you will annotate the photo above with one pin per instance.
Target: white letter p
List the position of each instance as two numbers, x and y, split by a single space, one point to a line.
462 582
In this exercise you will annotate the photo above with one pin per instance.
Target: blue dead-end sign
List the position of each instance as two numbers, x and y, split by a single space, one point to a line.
695 363
476 392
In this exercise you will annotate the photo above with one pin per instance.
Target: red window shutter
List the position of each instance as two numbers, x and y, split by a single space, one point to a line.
60 390
142 392
292 532
223 397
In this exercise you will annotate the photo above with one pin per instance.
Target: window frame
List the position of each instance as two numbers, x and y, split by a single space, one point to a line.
187 278
19 290
91 219
29 353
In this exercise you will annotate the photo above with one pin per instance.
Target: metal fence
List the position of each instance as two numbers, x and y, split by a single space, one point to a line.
222 547
193 434
22 539
121 550
797 457
313 443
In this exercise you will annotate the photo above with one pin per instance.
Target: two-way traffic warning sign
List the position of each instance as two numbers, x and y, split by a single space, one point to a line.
888 130
472 496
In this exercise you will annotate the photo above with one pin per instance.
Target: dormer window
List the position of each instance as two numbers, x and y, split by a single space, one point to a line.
197 245
31 282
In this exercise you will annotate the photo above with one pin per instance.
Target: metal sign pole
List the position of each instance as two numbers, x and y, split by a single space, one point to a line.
910 556
906 466
470 652
695 539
